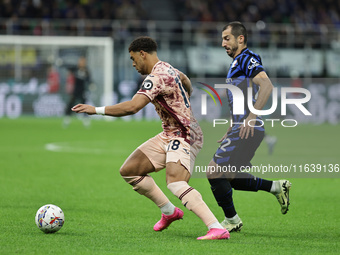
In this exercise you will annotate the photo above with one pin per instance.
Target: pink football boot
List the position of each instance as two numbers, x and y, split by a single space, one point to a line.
215 233
166 220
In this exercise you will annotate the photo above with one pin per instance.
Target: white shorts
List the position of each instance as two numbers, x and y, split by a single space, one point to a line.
162 149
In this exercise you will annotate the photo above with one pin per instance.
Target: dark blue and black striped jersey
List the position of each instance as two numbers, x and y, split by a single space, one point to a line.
244 67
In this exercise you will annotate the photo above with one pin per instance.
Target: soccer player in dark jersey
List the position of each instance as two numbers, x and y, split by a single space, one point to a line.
241 140
81 79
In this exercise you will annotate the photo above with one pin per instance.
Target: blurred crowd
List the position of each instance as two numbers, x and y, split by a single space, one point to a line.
72 9
124 18
269 11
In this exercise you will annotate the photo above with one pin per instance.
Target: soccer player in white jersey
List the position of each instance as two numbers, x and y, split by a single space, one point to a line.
174 149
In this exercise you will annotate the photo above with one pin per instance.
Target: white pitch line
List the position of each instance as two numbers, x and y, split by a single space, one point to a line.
67 147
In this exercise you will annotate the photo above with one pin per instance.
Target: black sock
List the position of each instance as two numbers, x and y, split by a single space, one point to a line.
248 182
223 193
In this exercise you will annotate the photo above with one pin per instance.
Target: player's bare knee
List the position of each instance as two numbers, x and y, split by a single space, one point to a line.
122 171
125 170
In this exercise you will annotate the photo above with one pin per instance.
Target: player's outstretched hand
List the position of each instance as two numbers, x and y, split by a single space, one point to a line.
84 108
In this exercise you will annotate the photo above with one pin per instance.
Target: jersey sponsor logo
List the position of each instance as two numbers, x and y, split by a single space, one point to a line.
147 85
234 63
253 63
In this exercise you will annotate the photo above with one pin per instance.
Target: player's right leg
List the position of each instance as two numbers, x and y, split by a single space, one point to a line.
245 150
135 172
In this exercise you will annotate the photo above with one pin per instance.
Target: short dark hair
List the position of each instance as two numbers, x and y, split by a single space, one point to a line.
237 29
144 43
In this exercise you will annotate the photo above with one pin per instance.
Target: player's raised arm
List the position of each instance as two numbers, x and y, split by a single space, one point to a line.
122 109
186 83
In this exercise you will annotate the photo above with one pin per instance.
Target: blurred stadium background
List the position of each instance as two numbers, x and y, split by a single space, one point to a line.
298 40
77 168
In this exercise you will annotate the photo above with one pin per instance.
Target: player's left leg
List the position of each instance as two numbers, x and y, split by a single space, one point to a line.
179 163
177 180
223 193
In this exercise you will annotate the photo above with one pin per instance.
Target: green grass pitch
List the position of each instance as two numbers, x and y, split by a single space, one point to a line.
105 216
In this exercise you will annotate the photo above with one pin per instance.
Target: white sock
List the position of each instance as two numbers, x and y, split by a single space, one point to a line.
234 219
275 187
168 209
215 225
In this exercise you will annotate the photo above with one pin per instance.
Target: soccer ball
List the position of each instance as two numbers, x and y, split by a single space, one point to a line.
49 218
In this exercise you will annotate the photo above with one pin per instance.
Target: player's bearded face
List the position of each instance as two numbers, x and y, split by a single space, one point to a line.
231 49
229 42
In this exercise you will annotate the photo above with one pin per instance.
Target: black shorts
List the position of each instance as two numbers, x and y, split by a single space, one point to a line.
238 152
